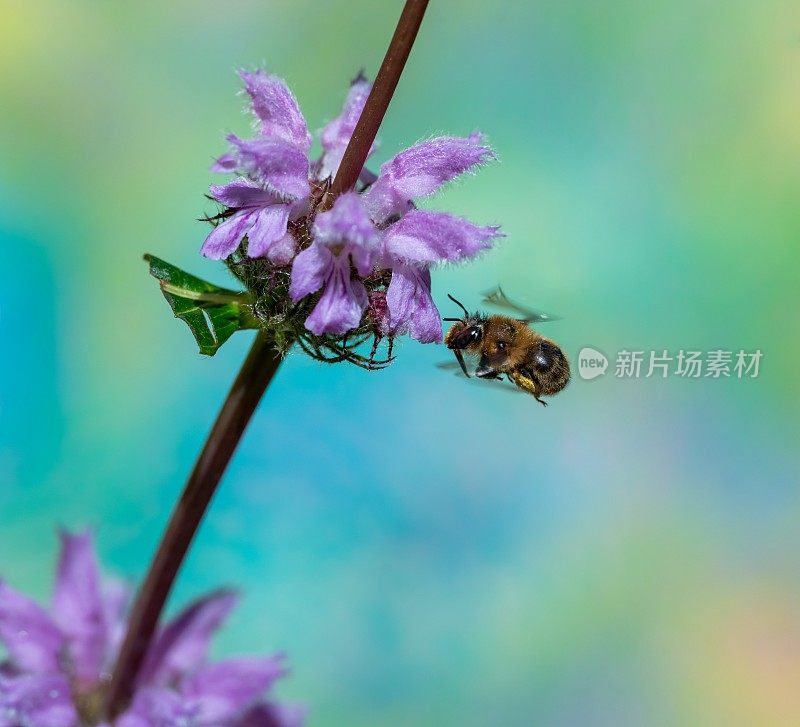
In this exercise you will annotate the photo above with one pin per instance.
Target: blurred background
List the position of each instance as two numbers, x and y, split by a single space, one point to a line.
427 550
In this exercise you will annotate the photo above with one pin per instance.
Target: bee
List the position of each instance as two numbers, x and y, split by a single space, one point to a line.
509 346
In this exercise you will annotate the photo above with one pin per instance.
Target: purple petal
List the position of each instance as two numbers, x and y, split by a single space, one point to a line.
336 134
431 237
309 270
116 597
276 164
226 689
158 707
421 170
182 645
411 306
242 192
282 252
78 606
226 236
226 164
342 303
348 222
277 108
36 700
269 227
273 715
133 718
363 258
31 637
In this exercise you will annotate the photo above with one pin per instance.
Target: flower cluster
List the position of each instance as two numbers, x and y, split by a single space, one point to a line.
360 269
58 662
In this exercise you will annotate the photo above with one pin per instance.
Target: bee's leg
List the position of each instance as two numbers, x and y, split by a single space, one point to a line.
390 347
460 359
523 379
498 376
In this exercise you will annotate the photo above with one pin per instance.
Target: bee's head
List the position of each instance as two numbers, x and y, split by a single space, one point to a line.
466 332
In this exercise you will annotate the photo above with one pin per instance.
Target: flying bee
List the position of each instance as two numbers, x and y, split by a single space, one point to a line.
509 346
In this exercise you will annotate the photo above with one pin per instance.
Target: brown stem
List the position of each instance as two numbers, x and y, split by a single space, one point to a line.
255 375
378 101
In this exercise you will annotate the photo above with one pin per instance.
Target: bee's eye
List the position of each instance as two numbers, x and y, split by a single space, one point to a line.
468 337
501 345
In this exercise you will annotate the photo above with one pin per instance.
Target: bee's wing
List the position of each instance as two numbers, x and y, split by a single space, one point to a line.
451 366
499 299
497 385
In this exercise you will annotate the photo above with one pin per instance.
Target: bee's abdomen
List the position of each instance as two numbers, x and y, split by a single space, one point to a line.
548 367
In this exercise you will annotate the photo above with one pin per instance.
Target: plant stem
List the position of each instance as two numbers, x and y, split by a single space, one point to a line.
255 375
378 101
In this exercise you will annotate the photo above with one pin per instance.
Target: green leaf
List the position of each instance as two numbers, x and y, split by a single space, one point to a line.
213 314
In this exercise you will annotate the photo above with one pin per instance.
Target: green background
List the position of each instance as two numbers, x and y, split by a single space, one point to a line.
431 551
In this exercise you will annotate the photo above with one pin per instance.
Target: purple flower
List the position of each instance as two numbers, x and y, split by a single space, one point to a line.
277 157
274 184
276 109
376 226
42 700
277 165
276 176
336 134
421 170
261 215
420 239
410 246
58 662
225 693
342 235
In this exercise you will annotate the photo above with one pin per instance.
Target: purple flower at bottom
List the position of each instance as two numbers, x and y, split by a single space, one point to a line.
41 700
342 235
225 693
58 662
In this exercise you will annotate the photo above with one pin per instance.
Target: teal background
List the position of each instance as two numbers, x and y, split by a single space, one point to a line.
430 551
